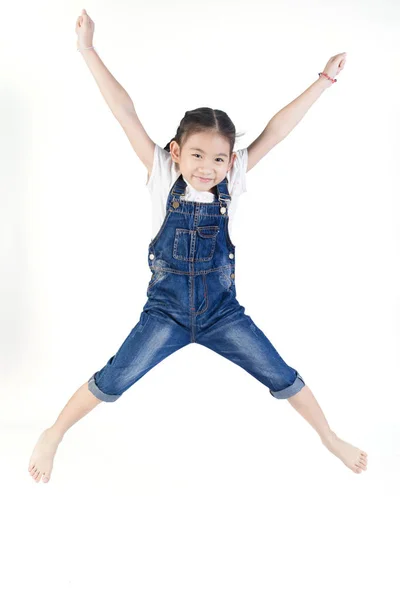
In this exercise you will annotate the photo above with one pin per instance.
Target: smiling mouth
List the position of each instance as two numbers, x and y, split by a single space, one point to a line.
204 178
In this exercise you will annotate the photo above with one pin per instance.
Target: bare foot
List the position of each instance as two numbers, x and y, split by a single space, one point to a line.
353 457
41 461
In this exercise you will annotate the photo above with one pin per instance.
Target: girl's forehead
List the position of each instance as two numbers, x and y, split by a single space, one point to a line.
214 145
207 137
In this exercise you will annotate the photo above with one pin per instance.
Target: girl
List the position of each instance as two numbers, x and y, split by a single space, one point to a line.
194 183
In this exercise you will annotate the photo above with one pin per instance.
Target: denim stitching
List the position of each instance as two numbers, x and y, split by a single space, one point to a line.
163 224
228 266
193 236
205 295
157 276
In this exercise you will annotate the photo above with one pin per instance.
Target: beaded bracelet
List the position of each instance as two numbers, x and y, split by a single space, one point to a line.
330 78
79 49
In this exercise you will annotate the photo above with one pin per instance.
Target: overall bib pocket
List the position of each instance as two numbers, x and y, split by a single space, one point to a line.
195 244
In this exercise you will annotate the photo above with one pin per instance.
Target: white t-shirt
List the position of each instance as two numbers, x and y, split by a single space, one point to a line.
165 172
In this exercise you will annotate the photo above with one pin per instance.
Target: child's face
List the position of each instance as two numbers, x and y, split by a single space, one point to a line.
205 155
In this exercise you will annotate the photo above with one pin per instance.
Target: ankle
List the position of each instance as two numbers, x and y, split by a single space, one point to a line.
328 437
55 432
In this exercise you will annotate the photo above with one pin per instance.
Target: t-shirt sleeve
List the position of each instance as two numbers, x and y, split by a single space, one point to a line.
237 174
155 167
162 172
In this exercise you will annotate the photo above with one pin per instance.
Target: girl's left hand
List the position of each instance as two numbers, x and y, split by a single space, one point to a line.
335 64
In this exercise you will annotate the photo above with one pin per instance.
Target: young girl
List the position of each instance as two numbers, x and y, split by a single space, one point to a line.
194 182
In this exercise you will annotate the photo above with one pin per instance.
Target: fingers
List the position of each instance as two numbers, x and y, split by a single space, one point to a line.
83 18
342 54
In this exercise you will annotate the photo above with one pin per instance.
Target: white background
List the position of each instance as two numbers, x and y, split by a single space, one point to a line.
197 484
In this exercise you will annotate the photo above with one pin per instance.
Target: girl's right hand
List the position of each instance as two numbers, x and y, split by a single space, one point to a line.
84 30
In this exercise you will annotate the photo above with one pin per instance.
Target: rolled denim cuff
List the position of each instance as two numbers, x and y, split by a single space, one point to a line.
99 394
291 390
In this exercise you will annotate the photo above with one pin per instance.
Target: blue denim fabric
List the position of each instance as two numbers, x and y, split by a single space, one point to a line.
191 297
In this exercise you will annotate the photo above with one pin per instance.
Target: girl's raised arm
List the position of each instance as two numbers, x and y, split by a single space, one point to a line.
289 116
114 94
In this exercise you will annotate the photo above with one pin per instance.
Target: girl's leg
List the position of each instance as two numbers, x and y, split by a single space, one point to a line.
79 405
307 406
242 342
150 341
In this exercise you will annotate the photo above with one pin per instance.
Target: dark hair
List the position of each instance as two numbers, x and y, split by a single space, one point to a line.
205 119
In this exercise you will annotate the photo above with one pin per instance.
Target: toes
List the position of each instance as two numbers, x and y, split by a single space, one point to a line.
45 478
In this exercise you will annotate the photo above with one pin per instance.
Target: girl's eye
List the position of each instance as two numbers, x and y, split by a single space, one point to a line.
199 155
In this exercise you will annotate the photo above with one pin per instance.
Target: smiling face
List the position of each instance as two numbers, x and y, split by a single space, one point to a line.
203 155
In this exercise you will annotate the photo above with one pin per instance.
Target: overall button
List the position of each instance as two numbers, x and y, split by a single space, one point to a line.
151 256
231 255
233 275
222 210
175 204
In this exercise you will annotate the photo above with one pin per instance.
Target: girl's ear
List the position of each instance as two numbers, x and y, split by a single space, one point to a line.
233 158
174 151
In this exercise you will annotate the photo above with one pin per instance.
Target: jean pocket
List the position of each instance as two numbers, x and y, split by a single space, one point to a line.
225 280
155 278
202 240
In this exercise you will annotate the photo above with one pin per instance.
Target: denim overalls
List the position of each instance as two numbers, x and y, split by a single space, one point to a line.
191 297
